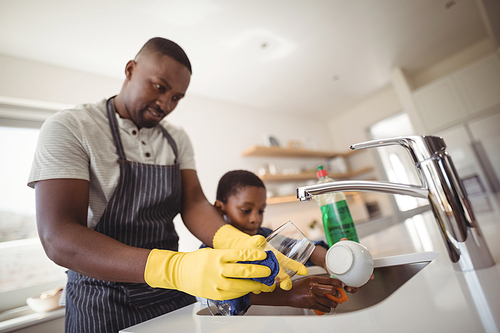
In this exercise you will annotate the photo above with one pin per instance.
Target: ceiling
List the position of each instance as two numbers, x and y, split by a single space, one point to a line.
302 57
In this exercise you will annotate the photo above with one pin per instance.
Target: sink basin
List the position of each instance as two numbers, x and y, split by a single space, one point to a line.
390 274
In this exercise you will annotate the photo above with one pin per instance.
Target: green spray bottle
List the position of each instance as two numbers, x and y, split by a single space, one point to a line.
337 219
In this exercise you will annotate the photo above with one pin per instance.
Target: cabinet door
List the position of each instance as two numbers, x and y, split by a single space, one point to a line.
469 170
486 132
474 148
440 103
458 146
480 83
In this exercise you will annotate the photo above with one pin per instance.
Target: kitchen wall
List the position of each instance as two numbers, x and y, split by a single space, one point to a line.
220 131
36 81
398 97
387 102
352 126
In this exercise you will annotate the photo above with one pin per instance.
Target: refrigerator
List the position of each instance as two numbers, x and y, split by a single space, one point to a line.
475 149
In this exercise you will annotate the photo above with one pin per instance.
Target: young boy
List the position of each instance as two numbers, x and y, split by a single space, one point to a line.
241 200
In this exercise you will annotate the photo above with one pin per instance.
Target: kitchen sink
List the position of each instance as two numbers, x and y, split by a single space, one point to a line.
390 274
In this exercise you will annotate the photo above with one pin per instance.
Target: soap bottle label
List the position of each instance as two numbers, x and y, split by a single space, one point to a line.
348 226
338 223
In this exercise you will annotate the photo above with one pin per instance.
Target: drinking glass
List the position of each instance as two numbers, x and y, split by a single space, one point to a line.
287 243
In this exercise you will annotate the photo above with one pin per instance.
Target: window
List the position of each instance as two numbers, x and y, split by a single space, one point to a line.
25 270
17 201
396 162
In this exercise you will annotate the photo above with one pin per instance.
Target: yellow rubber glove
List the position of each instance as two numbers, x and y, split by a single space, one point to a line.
207 273
228 237
283 278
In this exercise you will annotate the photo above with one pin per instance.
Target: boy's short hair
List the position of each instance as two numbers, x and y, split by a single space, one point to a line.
233 181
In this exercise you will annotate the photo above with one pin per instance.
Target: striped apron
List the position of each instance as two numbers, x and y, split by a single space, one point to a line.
139 214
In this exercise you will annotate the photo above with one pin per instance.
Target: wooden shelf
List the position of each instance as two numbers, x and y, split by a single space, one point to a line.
312 175
284 199
291 198
305 176
292 152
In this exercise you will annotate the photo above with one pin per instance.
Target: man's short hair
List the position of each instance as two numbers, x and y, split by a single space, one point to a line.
159 45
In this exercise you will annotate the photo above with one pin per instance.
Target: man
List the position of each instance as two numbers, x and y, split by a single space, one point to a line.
109 178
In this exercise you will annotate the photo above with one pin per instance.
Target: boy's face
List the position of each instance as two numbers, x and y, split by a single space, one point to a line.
245 210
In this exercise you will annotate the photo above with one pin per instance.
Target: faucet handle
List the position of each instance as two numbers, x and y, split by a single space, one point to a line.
420 148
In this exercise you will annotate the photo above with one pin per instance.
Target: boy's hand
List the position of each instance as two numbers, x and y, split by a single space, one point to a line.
353 290
309 293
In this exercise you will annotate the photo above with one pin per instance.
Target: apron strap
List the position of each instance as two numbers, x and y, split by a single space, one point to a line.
170 141
113 124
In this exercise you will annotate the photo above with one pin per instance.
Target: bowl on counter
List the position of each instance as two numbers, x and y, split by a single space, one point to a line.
47 301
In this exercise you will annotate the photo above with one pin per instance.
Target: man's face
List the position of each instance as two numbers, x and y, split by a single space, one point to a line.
154 85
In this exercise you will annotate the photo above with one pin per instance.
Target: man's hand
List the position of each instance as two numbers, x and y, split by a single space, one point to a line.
208 273
230 237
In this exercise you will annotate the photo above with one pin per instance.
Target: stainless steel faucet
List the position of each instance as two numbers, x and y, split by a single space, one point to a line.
440 184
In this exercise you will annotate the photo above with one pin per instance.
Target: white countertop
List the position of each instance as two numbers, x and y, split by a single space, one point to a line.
437 299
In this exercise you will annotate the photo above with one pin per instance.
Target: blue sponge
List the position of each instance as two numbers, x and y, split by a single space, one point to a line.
240 305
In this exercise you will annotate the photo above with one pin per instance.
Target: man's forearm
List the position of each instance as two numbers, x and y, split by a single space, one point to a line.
96 255
203 221
200 217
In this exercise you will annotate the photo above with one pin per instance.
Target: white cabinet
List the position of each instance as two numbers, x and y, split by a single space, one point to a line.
440 103
458 97
475 149
480 84
486 131
458 146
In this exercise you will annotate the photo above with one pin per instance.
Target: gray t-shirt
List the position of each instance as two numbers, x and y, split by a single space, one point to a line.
78 144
